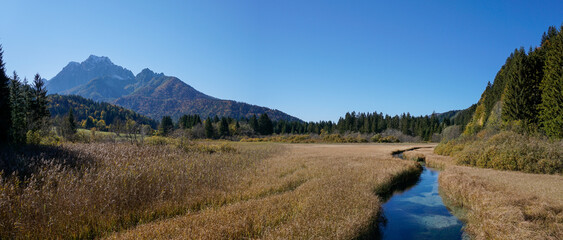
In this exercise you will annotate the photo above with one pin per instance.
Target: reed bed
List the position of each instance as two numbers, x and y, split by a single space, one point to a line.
173 189
309 192
501 204
116 186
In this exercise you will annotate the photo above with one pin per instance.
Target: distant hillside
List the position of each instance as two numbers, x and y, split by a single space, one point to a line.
151 94
60 105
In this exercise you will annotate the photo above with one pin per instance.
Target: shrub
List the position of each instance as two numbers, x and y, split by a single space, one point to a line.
33 137
512 151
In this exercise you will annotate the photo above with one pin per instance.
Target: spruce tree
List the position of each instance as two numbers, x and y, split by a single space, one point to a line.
5 109
39 109
183 122
224 127
521 97
253 121
209 132
89 123
166 126
18 108
551 108
265 126
69 125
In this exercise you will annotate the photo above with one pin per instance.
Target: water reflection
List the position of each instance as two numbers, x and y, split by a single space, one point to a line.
419 213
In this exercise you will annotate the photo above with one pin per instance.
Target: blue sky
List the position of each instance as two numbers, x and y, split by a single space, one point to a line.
315 60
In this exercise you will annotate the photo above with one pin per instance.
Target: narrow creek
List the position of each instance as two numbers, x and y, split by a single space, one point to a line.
418 212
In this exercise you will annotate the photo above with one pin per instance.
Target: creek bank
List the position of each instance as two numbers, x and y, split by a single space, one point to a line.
418 211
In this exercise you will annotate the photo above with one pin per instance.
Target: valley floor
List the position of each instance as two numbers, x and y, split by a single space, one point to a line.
211 190
309 191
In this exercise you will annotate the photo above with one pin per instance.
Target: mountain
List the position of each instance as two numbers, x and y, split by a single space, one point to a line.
75 78
148 93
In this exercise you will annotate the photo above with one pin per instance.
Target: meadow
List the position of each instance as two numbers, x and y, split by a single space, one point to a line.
169 188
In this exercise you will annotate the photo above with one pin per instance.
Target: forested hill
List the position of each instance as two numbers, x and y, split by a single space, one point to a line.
527 92
102 115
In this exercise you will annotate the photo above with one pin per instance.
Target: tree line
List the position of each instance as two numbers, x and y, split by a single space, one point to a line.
91 114
23 107
527 91
365 123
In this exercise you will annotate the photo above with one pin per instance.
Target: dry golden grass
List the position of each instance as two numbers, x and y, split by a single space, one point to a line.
118 186
502 204
432 159
310 191
171 189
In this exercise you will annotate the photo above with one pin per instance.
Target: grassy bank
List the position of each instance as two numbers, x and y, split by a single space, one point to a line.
501 204
507 150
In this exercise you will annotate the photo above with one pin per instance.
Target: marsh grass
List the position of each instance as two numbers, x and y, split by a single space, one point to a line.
506 205
174 188
501 204
306 192
88 190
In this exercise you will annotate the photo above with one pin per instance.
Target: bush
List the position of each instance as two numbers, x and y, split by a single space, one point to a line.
511 151
33 137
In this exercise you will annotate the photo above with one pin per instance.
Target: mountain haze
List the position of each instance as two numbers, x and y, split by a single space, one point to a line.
148 93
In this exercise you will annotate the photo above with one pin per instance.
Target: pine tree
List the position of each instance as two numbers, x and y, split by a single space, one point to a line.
69 125
39 109
551 108
265 126
237 127
5 109
253 123
521 92
18 108
209 132
224 127
166 126
183 122
89 122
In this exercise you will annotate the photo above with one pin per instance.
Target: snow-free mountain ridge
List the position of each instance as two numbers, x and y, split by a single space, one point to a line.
148 93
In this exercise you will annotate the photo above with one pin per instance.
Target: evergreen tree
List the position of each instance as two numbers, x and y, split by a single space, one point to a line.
89 122
166 126
265 126
253 121
69 125
209 132
183 122
224 127
5 109
18 108
39 111
237 127
551 108
521 92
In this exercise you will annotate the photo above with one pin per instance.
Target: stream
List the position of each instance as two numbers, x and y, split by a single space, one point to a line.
418 212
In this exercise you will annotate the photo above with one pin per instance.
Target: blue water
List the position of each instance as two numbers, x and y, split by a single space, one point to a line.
419 213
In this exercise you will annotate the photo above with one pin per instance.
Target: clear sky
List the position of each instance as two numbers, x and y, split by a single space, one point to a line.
315 60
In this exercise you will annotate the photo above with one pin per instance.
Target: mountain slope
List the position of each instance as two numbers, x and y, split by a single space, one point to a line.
75 75
105 89
154 95
83 108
